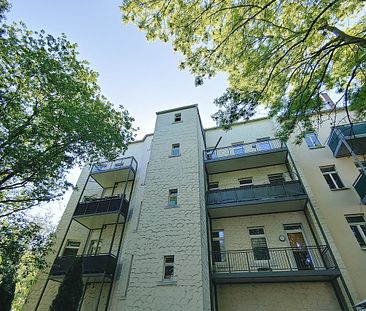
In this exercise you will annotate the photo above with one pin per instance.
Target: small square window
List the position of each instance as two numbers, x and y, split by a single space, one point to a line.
173 197
178 117
312 140
175 150
168 267
244 182
213 186
331 177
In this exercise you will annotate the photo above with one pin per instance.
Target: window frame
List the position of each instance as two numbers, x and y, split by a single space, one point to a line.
178 117
216 183
168 277
70 247
173 194
276 178
330 174
312 140
221 239
243 185
175 151
360 226
262 250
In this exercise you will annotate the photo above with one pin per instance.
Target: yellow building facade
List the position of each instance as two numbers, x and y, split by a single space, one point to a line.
206 219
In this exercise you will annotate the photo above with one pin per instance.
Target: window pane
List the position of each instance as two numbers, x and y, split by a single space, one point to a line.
363 228
329 181
213 185
260 250
175 150
256 231
70 252
338 180
238 149
168 272
276 178
358 236
327 169
353 219
245 181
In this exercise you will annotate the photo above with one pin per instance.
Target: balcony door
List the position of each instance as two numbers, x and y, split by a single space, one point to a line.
299 248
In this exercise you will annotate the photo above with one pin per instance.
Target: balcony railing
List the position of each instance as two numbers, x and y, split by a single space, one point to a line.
244 149
286 259
102 206
360 186
354 135
99 264
247 194
118 164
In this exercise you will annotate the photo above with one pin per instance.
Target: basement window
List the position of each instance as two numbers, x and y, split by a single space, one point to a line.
168 272
245 182
213 185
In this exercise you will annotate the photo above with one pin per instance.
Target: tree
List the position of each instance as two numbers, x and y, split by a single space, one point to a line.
23 248
52 117
282 54
70 290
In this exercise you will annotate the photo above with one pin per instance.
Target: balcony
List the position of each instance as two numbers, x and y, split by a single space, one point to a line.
354 135
245 156
360 186
286 264
256 199
94 213
94 267
106 174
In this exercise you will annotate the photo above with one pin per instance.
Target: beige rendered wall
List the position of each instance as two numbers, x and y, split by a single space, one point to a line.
159 230
277 297
140 150
332 206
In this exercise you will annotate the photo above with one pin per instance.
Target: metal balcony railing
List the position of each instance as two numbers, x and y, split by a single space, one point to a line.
244 149
102 206
285 259
98 264
245 194
123 163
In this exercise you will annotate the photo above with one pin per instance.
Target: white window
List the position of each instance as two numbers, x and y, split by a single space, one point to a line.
213 185
178 117
358 227
264 144
331 176
218 246
277 178
312 140
238 148
71 248
168 272
175 150
173 197
259 243
244 182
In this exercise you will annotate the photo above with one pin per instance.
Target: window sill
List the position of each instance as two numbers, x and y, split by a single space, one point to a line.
167 283
172 206
174 156
175 122
340 189
317 147
363 248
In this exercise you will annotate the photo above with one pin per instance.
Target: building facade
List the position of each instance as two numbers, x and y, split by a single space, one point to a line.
206 219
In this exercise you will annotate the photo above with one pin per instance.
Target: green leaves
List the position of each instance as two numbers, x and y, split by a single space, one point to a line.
52 117
287 52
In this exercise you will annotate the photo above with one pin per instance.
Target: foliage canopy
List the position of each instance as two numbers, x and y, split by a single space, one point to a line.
282 53
52 117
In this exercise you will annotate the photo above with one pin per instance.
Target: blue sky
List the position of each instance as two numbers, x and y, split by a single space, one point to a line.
142 76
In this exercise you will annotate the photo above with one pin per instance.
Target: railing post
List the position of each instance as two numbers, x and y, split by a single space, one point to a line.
228 261
246 255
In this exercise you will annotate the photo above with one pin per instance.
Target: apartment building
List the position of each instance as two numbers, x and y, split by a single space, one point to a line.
206 219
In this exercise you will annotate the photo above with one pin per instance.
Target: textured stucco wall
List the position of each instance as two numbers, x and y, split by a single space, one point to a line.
277 297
